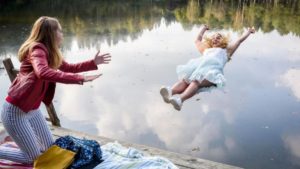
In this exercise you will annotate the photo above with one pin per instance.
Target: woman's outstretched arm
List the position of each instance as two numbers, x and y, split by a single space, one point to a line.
232 48
87 65
201 46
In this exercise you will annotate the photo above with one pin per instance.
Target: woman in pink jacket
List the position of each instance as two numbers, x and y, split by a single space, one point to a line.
42 65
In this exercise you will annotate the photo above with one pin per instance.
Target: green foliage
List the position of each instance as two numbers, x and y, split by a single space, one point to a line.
114 20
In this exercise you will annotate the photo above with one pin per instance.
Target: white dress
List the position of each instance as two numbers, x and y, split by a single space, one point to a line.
209 66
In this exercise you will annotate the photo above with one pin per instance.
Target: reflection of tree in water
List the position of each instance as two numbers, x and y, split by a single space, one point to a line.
106 21
267 15
114 21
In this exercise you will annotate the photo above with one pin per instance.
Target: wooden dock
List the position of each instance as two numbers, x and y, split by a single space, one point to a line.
180 160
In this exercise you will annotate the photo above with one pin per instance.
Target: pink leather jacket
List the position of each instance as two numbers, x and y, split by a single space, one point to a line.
36 80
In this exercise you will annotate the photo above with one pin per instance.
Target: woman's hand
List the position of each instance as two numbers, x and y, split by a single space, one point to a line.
251 30
90 78
102 59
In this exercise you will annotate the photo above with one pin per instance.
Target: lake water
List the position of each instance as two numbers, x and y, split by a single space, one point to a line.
253 123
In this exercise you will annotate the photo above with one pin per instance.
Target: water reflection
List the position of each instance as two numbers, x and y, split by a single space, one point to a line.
291 142
246 125
213 127
114 21
291 79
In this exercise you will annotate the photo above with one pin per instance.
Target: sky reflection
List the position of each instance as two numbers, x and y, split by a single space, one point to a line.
244 125
125 104
291 143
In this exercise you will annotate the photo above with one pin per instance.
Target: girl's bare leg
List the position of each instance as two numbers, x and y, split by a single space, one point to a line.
167 92
193 87
179 87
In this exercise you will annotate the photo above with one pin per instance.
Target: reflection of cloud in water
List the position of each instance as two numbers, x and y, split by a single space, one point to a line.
267 46
184 131
127 119
291 79
76 107
292 144
125 103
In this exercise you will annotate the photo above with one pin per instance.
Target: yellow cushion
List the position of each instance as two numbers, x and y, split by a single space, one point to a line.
54 157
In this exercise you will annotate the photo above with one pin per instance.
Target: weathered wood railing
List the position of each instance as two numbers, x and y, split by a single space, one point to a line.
12 74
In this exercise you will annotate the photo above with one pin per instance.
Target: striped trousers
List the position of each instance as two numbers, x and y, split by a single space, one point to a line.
28 130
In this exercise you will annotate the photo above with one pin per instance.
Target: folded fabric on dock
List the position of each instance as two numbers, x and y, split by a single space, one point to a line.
87 151
54 157
118 157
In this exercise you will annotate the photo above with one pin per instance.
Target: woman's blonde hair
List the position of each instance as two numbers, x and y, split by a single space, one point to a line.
223 44
43 31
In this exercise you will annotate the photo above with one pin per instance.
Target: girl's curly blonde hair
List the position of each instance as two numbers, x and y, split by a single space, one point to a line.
224 41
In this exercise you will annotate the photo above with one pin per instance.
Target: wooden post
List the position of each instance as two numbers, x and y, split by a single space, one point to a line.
12 74
52 114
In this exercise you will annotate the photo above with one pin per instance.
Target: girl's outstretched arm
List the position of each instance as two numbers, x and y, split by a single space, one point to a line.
232 48
201 46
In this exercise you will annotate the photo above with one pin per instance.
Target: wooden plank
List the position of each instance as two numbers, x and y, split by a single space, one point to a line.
181 160
12 74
